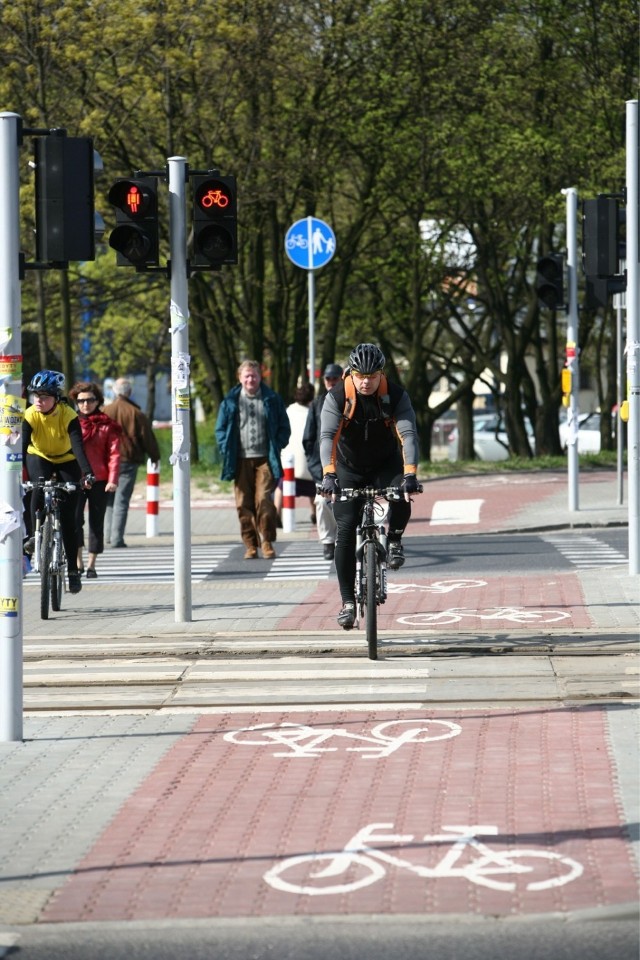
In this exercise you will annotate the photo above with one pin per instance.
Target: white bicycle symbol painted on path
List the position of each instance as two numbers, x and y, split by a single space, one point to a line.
511 614
299 740
360 864
438 586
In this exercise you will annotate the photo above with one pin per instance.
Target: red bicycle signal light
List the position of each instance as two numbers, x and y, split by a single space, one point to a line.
213 196
214 221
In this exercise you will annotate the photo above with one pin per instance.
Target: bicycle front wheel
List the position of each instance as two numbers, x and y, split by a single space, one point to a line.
46 548
369 561
57 577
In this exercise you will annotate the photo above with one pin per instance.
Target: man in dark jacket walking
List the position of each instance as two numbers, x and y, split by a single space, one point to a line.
137 445
251 430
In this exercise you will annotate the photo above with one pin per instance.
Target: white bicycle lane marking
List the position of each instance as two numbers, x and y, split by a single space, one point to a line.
302 741
508 614
360 863
438 586
458 614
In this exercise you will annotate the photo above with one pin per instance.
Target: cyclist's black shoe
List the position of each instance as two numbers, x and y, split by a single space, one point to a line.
347 616
75 583
29 546
396 555
91 573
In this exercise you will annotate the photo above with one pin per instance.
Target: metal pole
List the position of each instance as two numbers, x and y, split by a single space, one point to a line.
619 398
573 350
633 338
180 389
311 297
11 405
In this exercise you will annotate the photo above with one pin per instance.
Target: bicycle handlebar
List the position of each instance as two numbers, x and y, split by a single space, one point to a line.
372 493
48 485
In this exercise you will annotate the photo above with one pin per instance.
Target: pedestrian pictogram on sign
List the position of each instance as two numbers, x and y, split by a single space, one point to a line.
310 243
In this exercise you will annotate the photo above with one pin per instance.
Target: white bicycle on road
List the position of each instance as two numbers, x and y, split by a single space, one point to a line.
361 863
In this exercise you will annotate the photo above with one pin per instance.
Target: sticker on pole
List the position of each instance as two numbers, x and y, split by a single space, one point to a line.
310 243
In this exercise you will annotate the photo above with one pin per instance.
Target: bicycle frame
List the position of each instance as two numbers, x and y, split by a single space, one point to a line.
49 558
371 557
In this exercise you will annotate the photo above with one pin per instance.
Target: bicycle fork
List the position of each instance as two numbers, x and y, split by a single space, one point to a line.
381 551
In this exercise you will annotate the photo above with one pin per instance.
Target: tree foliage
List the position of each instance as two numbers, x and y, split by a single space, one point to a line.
435 138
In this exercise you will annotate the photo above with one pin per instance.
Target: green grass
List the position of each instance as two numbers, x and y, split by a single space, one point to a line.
589 461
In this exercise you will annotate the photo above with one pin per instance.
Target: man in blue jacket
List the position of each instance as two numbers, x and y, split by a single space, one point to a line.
251 430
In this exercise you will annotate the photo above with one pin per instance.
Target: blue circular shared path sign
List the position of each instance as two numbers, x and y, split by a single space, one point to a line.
310 243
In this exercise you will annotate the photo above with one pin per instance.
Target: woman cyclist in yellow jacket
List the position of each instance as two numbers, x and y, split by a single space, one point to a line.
52 445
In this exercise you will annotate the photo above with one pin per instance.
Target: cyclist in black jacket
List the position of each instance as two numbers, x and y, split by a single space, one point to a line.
368 437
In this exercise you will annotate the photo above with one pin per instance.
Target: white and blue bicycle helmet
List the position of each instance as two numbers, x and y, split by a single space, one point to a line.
47 381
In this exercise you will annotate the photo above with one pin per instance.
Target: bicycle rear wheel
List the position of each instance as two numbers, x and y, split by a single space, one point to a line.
46 547
371 600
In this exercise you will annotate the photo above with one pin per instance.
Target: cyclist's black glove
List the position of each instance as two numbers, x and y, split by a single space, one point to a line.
409 483
330 485
88 481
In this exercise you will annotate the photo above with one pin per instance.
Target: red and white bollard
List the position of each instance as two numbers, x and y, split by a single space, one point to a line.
153 497
288 494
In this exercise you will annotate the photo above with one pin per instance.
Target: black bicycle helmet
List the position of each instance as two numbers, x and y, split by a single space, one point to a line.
47 381
366 358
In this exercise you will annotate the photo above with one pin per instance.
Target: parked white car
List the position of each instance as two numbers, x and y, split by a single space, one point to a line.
588 433
489 438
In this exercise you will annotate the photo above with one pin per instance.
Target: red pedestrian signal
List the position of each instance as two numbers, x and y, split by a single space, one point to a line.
135 237
133 201
214 221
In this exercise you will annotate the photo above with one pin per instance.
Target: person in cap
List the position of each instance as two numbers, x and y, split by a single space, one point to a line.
325 520
368 437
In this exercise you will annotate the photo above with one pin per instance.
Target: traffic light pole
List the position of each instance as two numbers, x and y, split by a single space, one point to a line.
633 336
572 349
11 655
180 388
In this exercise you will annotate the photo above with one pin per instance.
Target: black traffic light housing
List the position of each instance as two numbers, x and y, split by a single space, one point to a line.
550 280
135 236
603 247
215 211
65 215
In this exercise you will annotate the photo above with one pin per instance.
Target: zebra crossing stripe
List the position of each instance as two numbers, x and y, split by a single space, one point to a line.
585 551
300 562
139 565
